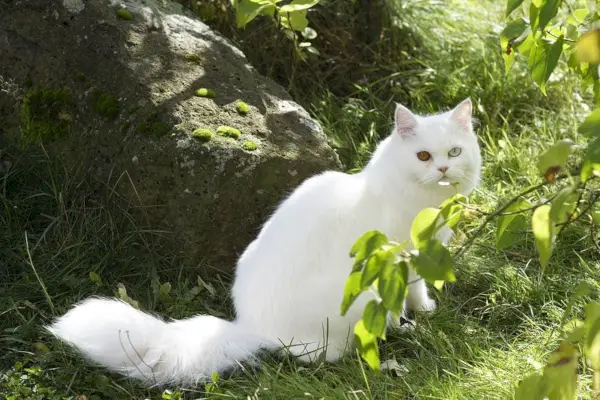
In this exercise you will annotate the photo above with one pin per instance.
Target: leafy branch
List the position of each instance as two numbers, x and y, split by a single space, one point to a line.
290 18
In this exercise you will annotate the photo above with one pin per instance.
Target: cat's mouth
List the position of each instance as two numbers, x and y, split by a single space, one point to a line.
445 181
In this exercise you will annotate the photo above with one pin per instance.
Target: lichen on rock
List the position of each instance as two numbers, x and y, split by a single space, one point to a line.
124 14
242 107
204 92
228 131
202 134
249 145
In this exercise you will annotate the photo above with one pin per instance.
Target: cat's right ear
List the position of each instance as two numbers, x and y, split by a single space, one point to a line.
406 123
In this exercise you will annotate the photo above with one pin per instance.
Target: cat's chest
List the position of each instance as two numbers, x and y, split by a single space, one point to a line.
395 218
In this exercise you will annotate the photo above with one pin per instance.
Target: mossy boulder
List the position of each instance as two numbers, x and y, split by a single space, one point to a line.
118 97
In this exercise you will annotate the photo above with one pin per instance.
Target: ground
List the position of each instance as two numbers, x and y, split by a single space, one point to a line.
497 323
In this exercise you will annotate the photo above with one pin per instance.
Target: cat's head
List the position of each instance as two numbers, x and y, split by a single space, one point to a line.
437 150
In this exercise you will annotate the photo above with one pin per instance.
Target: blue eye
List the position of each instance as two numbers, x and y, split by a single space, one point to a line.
455 152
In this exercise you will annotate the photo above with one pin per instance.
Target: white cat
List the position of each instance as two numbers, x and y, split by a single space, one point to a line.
290 281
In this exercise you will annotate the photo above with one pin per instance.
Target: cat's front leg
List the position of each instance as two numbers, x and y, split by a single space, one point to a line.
418 299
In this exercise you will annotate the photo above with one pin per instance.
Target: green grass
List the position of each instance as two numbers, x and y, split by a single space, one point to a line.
495 325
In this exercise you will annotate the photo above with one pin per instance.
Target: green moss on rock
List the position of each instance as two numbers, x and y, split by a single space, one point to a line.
249 145
153 126
229 132
204 92
46 114
203 134
105 104
193 57
242 107
124 14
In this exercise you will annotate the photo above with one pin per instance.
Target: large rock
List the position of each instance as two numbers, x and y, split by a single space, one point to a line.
119 96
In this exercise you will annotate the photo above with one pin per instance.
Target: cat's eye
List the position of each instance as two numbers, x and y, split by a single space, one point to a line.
423 156
455 152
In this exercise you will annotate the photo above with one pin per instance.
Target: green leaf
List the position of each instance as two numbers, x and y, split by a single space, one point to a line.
164 290
531 388
375 264
247 10
297 5
511 5
424 226
591 162
582 289
513 30
534 14
527 44
122 294
393 285
366 343
578 16
563 204
508 37
592 328
591 125
352 290
575 331
298 21
452 210
508 224
433 262
596 215
95 278
294 21
560 374
543 59
309 33
592 312
543 230
588 47
555 157
374 318
548 11
366 245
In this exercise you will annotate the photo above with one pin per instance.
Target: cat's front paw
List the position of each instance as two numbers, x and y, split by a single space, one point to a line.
426 305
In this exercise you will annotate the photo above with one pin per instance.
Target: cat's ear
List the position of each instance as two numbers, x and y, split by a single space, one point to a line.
463 113
406 123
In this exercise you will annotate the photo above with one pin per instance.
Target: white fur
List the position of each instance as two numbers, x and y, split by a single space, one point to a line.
290 280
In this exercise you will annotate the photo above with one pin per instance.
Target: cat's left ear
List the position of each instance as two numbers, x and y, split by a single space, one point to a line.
463 114
405 120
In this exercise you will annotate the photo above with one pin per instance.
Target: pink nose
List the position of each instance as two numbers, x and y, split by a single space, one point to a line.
443 169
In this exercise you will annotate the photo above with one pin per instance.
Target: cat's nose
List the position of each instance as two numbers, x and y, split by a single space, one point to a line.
443 169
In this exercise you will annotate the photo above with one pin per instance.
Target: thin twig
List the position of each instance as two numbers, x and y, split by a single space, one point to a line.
500 212
507 252
533 207
493 215
591 203
570 219
564 38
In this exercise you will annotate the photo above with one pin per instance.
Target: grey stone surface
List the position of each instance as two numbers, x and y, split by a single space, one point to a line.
211 197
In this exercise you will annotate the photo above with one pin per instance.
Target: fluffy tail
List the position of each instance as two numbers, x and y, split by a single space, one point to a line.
116 335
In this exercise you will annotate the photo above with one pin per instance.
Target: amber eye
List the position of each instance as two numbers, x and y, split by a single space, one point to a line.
423 156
